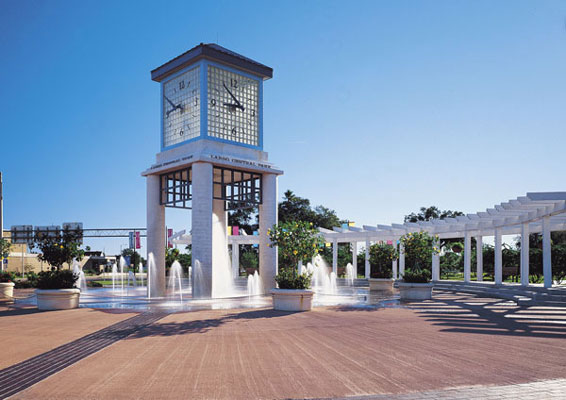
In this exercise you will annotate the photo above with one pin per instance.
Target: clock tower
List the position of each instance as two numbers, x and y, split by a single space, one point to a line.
211 161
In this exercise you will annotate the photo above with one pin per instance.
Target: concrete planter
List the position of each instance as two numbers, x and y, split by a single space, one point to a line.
292 299
415 291
6 291
383 284
57 299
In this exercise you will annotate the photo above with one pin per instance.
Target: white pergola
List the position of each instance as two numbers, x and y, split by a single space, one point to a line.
541 212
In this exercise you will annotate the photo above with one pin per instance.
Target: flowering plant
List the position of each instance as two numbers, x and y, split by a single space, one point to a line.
380 257
60 249
297 241
419 247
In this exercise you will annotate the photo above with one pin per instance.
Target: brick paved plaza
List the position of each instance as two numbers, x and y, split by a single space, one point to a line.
456 346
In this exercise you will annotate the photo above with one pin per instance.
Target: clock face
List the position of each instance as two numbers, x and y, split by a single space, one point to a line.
233 106
181 108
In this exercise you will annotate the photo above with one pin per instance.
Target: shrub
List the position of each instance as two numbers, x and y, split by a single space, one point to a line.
419 249
93 284
415 275
6 277
380 258
288 279
57 279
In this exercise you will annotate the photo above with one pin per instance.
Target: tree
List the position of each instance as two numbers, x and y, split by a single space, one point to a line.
60 249
432 212
295 208
4 248
243 219
135 258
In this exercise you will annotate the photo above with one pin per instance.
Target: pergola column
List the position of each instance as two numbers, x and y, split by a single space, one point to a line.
335 257
479 258
498 258
155 236
394 262
525 254
235 260
355 258
467 257
267 218
401 259
367 271
436 260
546 252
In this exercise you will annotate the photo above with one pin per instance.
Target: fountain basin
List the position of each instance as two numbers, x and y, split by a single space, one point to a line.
57 299
6 291
292 299
415 291
376 284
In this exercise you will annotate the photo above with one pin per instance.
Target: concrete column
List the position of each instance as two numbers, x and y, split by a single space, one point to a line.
267 218
156 235
235 260
525 254
221 269
467 257
401 259
436 261
202 229
498 258
355 258
479 257
367 271
546 252
335 257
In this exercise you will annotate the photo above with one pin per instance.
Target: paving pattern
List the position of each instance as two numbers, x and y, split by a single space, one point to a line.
25 374
541 390
453 341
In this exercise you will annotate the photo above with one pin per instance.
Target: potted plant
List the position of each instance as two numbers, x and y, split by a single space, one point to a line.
381 257
296 241
457 247
415 283
56 289
6 287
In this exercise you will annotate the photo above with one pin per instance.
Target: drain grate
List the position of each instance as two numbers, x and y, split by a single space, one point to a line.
27 373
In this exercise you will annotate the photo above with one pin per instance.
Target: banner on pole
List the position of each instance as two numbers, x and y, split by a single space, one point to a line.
138 240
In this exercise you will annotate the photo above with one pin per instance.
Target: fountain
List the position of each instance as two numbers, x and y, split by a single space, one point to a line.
254 285
324 280
122 263
197 282
175 275
350 275
140 271
132 279
81 282
114 275
151 275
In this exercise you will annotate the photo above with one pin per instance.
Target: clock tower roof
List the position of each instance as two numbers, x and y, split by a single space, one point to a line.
214 52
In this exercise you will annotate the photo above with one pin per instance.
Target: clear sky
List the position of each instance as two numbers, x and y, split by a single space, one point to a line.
375 109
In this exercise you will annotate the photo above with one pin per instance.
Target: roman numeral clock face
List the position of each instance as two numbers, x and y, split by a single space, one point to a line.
181 108
233 106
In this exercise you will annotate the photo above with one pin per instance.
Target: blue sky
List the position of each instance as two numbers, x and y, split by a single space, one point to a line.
376 108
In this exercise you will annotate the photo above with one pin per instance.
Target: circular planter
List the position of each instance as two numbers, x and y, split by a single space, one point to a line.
292 299
7 291
415 291
376 284
57 299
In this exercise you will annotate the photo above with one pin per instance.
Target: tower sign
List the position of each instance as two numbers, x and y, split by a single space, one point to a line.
211 161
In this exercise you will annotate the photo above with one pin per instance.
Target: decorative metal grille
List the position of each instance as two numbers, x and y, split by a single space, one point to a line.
239 189
175 189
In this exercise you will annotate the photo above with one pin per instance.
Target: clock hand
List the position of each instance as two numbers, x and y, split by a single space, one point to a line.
170 102
238 105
